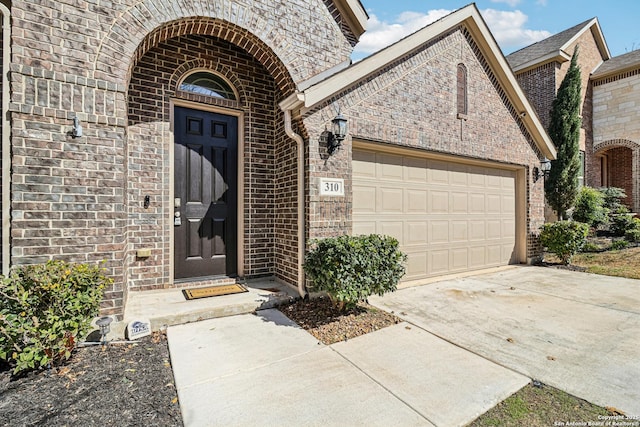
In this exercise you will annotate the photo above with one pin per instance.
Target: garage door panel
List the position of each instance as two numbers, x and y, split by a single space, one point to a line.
438 261
390 167
459 202
416 266
364 164
459 231
439 232
459 259
364 199
416 234
390 200
392 228
364 227
416 170
439 201
416 201
448 217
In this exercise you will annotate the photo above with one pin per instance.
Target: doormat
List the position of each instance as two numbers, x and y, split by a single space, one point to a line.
213 291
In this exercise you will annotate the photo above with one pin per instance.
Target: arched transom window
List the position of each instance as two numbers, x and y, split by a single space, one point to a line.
208 84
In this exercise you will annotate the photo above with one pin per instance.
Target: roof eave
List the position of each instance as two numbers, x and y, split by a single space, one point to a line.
594 26
471 18
354 14
559 57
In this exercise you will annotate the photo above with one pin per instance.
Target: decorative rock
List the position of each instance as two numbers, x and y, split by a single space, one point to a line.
138 328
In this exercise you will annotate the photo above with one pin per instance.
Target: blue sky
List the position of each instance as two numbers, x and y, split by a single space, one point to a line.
514 23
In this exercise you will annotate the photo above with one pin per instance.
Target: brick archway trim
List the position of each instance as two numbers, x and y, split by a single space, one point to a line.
147 24
615 143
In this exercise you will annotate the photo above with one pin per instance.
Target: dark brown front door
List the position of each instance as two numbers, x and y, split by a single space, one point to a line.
205 204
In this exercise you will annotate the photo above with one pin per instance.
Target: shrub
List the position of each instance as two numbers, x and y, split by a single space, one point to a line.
351 268
43 310
564 238
613 199
589 207
616 245
621 223
633 233
590 247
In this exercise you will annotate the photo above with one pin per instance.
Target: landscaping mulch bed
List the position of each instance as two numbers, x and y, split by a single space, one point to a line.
329 325
120 384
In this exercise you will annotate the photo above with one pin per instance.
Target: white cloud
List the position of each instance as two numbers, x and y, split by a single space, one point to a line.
381 34
512 3
509 29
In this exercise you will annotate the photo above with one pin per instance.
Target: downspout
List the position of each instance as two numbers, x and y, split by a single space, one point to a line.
293 102
6 142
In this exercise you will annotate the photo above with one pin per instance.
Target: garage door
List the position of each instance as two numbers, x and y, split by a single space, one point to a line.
448 217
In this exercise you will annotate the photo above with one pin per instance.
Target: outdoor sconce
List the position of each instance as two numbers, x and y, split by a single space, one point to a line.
542 171
338 132
103 323
76 132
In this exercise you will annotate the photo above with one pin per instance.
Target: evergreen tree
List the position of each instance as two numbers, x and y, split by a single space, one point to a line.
562 186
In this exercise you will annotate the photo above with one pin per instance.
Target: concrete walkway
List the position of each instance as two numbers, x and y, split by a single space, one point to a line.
575 331
465 345
263 370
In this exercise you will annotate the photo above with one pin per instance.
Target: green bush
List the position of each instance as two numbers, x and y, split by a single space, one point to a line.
613 199
564 238
44 309
616 245
621 223
590 247
633 233
351 268
589 207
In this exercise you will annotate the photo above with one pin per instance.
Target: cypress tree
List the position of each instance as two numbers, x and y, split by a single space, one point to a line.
562 186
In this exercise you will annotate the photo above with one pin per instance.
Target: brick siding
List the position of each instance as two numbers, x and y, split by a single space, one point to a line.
412 103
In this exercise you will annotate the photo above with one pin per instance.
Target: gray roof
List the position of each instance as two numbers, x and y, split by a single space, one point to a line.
618 63
545 47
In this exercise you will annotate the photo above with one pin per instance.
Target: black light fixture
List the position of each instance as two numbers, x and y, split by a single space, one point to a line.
338 132
542 171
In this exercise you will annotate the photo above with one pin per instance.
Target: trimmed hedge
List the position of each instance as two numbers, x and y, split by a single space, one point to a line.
44 309
351 268
564 238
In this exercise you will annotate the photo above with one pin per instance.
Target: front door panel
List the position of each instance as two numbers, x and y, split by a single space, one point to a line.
205 204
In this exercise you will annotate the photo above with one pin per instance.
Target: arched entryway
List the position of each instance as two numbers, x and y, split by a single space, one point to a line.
619 162
227 156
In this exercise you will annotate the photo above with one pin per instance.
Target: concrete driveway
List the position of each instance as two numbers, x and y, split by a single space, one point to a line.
575 331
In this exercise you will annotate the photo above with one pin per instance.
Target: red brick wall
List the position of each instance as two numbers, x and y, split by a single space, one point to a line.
620 165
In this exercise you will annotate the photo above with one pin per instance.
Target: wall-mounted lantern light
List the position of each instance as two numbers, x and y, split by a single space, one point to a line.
76 132
542 171
338 132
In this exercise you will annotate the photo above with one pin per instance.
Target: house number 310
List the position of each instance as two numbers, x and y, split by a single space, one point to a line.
331 187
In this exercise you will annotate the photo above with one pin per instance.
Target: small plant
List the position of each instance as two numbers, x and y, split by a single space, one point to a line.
633 236
590 247
621 223
616 245
564 238
43 310
352 268
589 207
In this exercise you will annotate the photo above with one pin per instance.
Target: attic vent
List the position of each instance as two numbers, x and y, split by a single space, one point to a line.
208 84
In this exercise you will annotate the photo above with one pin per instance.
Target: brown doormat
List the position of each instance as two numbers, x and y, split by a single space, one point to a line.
213 291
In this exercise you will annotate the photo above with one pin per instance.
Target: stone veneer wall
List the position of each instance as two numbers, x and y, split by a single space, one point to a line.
616 130
412 103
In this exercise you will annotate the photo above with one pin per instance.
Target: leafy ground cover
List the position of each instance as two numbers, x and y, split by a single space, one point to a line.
621 263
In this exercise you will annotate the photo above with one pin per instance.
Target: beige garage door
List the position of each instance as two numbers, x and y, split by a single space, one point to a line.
449 217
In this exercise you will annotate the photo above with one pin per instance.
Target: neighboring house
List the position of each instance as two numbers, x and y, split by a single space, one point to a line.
610 137
204 150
